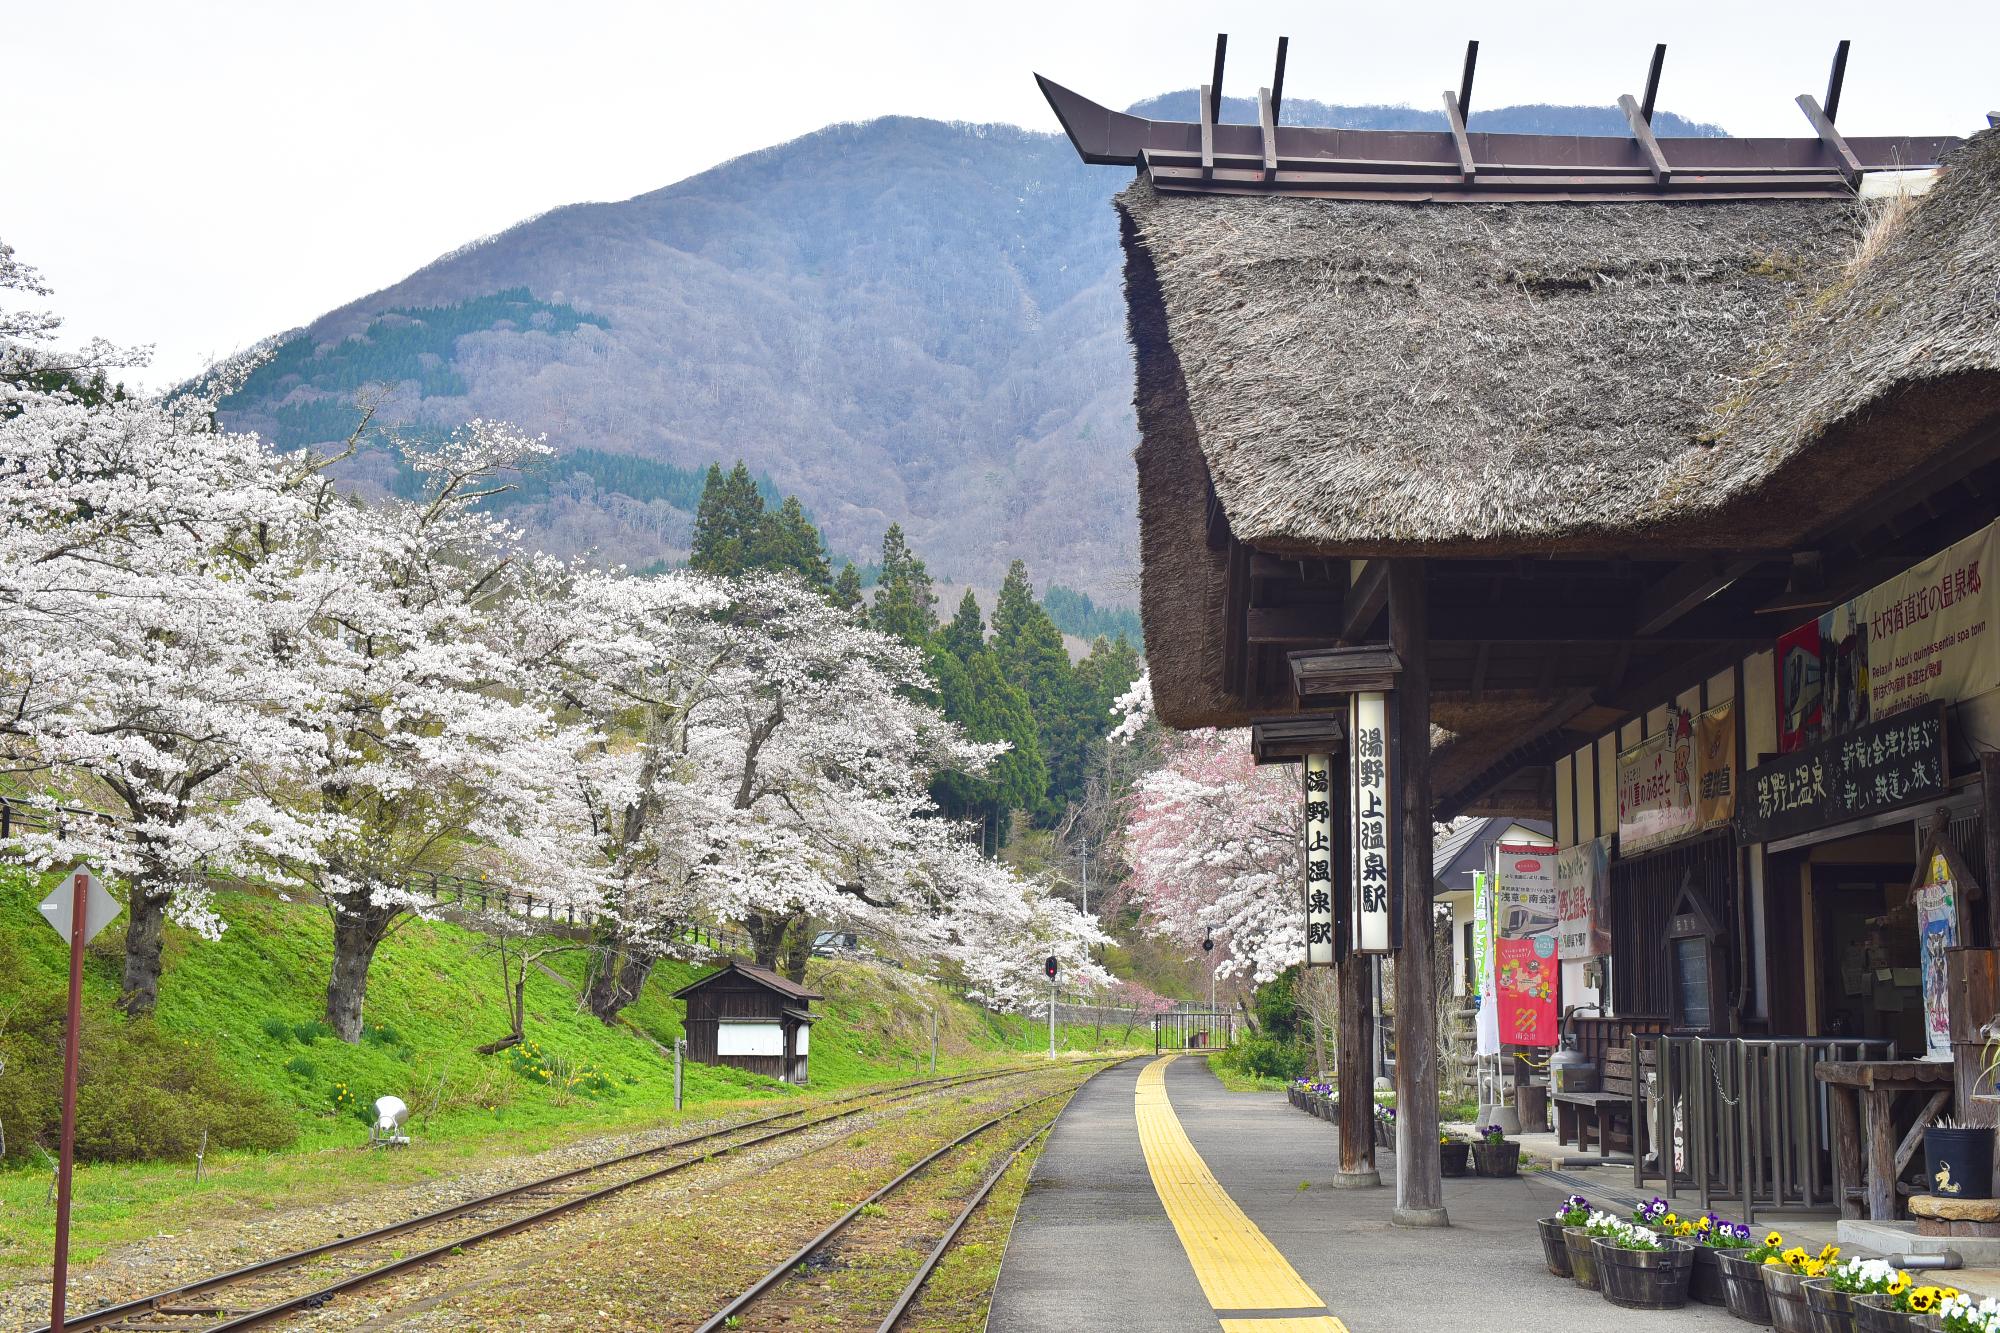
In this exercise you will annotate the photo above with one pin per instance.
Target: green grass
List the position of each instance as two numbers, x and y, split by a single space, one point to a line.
252 1002
1236 1081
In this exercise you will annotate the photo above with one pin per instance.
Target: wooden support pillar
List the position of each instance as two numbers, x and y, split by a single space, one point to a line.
1355 1074
1419 1181
1989 831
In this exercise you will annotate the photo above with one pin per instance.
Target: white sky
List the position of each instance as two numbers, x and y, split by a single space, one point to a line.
200 175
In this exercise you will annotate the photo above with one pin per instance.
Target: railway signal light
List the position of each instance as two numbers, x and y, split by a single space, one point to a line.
1049 966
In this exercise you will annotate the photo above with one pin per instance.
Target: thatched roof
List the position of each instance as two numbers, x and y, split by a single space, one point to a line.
1363 378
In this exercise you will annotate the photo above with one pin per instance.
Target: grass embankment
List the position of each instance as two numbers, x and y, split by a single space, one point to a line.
244 1013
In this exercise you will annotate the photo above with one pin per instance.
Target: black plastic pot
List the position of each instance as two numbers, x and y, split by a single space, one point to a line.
1743 1288
1453 1158
1706 1284
1582 1258
1958 1163
1645 1279
1496 1159
1828 1309
1554 1253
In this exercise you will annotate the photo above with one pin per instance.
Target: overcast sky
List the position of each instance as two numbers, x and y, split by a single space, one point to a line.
199 175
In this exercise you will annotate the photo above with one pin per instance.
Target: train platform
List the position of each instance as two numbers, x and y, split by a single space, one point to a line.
1165 1202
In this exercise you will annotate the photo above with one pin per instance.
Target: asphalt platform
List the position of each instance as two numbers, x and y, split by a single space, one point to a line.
1095 1247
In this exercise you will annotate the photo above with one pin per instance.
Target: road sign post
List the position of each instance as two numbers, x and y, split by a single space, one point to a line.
77 910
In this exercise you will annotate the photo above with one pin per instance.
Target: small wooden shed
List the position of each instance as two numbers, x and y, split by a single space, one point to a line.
750 1017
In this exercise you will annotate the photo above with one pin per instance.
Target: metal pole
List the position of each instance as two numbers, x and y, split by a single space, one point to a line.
1052 1018
680 1045
934 1043
79 906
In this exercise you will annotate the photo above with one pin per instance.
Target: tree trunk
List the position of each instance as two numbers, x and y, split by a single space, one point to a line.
767 935
616 979
145 937
798 949
357 932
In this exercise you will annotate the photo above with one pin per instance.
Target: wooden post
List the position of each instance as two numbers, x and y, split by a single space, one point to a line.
1419 1180
1989 828
1972 985
1355 1074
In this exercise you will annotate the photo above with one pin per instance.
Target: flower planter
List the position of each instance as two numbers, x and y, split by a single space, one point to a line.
1645 1279
1496 1159
1743 1288
1385 1134
1706 1284
1453 1158
1958 1163
1554 1253
1786 1290
1828 1309
1582 1257
1872 1314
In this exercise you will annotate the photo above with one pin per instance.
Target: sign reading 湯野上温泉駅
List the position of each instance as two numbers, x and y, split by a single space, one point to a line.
1371 810
1881 766
1319 860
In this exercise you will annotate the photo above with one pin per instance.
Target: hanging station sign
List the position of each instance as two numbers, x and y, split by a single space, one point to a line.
1371 813
1876 768
1678 783
1319 860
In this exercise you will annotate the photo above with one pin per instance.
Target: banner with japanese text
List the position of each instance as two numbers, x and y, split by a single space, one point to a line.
1488 1020
1527 976
1583 920
1925 635
1678 783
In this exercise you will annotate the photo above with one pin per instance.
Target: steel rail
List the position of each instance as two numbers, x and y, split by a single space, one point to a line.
849 1106
931 1261
749 1296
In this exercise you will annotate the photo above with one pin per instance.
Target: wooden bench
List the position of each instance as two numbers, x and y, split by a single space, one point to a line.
1606 1114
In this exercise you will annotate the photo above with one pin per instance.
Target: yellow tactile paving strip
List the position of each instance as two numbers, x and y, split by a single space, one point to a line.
1238 1267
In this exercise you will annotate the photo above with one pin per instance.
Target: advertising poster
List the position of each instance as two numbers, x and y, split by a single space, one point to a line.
1524 900
1937 930
1657 782
1924 635
1583 926
1528 981
1715 757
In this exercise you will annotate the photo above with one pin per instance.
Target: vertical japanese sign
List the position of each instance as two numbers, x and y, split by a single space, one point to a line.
1370 811
1937 930
1715 757
1527 973
1488 1023
1319 860
1583 926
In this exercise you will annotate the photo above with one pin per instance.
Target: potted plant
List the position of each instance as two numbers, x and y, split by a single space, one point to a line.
1957 1314
1743 1289
1903 1308
1571 1212
1785 1276
1958 1160
1453 1154
1714 1237
1577 1239
1493 1154
1385 1126
1830 1299
1643 1270
1653 1214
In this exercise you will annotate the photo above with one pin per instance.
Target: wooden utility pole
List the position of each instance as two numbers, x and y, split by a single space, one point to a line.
1419 1180
1355 1074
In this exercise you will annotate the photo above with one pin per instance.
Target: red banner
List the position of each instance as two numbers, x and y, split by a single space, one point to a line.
1528 983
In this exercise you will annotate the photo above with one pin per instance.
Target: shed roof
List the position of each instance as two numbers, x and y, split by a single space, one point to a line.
1362 378
763 976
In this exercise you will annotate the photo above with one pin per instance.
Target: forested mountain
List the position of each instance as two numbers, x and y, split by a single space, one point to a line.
902 322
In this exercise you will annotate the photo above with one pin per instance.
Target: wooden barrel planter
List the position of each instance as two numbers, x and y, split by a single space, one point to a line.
1454 1159
1496 1159
1582 1259
1786 1290
1828 1309
1554 1252
1706 1284
1645 1279
1875 1314
1743 1288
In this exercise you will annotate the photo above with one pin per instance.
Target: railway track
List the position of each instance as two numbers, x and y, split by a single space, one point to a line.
260 1292
801 1262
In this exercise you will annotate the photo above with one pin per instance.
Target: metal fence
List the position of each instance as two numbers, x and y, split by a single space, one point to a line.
1187 1028
1738 1118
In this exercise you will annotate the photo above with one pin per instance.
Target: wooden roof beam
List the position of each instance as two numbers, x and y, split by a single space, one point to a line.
1849 165
1267 121
1540 740
1457 108
1278 83
1293 625
1685 589
1288 740
1656 160
1366 597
